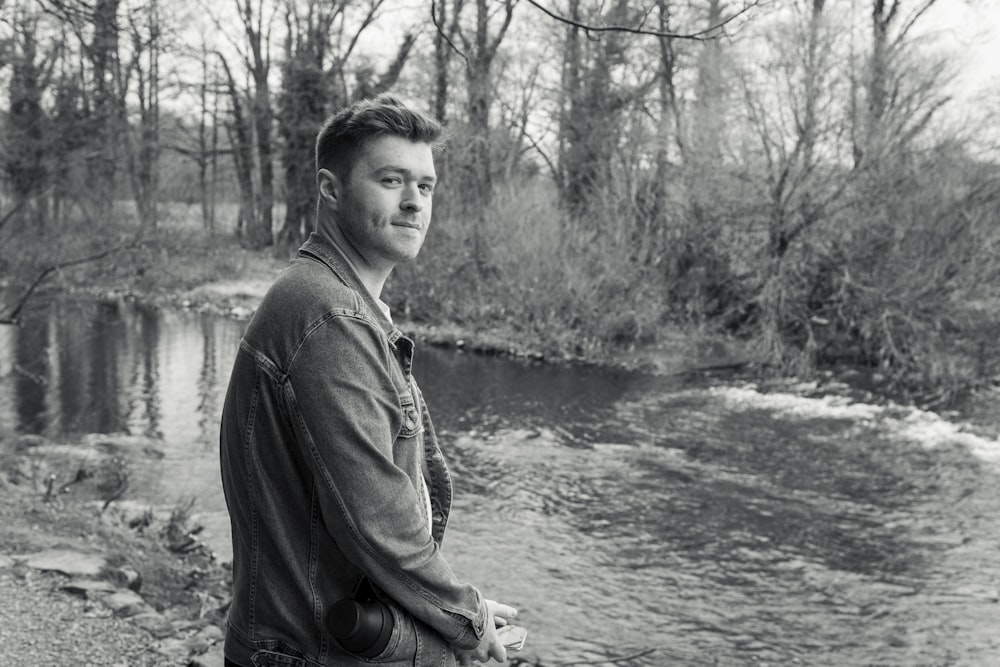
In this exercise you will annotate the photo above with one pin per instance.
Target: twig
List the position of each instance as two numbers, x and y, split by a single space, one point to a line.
605 661
709 33
447 38
12 212
15 314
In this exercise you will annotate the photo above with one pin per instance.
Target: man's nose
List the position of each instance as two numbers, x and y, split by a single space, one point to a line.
411 199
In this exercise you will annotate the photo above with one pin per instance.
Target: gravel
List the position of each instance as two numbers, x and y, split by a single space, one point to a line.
42 626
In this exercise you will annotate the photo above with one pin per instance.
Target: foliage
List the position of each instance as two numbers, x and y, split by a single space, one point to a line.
162 264
918 290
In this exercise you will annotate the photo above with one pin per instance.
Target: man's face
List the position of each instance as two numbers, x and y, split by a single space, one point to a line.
383 205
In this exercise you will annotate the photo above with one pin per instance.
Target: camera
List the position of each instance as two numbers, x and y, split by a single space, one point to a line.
362 627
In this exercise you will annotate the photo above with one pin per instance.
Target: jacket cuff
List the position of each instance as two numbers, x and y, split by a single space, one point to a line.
472 634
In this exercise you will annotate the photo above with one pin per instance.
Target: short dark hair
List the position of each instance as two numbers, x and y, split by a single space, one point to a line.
350 129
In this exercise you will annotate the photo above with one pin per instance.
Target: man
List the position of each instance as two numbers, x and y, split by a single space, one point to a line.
333 476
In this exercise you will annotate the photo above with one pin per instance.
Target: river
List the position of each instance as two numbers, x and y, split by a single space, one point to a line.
673 522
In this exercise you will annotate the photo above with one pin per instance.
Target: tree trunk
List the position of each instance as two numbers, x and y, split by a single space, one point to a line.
106 116
259 227
24 159
239 138
144 163
259 233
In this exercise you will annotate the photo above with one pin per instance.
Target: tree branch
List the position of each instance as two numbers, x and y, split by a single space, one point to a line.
195 153
709 33
15 314
12 212
444 34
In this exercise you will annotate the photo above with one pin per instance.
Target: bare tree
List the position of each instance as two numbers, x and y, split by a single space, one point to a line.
206 155
107 97
598 95
445 18
257 31
478 49
879 131
239 132
26 144
145 31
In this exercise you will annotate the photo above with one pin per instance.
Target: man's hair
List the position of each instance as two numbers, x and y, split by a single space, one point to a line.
351 129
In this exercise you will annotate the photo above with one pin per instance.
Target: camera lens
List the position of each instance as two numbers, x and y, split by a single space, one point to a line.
363 628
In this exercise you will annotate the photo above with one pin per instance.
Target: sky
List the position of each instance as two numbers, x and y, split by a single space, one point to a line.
972 27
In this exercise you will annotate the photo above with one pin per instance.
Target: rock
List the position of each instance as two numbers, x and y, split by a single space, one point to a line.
197 645
126 577
211 633
88 589
6 561
205 644
171 647
126 603
72 563
240 312
212 658
155 623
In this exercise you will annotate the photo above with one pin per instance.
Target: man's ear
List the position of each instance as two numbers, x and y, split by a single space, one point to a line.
329 187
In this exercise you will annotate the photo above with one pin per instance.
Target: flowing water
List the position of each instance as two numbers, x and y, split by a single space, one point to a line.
667 522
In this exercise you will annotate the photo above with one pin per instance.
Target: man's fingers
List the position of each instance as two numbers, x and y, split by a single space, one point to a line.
498 652
502 610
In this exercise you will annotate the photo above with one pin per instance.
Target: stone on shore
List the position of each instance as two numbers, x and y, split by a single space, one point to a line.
89 589
67 561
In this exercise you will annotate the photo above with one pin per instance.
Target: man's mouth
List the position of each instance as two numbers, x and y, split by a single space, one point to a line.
407 223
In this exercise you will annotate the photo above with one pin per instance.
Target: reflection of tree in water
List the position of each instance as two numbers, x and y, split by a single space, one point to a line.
31 370
84 365
207 381
104 338
144 397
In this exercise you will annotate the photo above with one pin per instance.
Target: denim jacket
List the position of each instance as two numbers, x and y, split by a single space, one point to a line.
326 444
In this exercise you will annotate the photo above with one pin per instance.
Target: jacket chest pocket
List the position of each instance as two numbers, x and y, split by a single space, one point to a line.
412 423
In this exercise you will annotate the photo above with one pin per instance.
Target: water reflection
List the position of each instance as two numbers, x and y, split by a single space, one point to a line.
624 515
83 367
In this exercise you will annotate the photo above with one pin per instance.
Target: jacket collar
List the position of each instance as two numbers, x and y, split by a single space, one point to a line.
324 250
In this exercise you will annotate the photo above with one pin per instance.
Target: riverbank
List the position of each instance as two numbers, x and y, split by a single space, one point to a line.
90 580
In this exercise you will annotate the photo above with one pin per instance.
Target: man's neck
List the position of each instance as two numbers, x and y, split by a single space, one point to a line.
373 278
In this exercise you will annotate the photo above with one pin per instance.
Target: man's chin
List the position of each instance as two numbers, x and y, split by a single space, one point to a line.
404 255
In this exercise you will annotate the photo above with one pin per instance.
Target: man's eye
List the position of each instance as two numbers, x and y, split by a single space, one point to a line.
392 180
426 188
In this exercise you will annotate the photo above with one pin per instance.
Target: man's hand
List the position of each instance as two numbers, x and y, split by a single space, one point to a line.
489 647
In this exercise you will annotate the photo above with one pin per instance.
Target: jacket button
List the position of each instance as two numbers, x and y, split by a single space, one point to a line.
409 420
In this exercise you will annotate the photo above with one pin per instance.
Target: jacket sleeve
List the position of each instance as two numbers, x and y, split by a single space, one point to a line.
347 417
